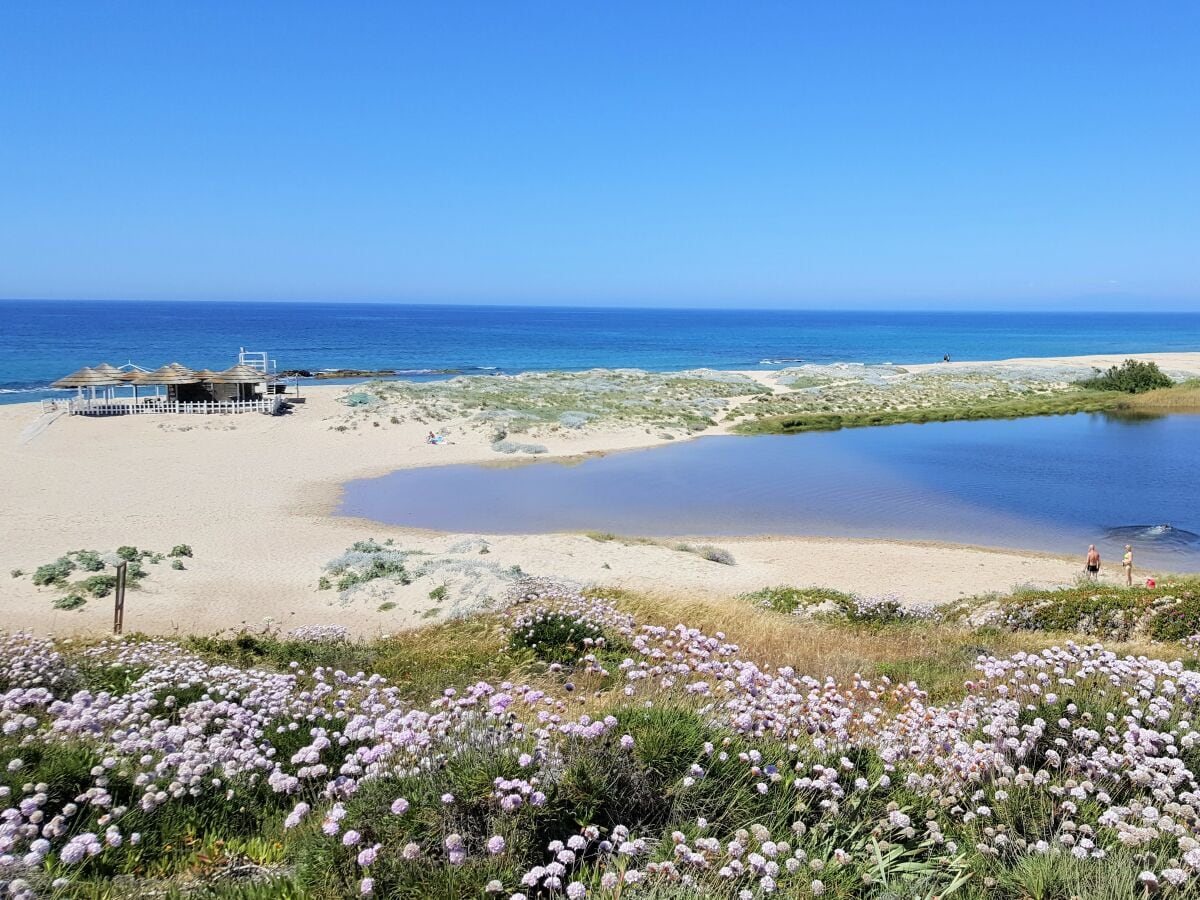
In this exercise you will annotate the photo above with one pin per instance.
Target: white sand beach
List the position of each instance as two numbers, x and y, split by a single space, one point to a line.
252 495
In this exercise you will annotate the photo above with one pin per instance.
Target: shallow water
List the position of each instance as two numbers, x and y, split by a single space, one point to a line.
1054 484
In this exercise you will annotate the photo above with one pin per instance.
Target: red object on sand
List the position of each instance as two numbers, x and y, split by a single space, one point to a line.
1149 582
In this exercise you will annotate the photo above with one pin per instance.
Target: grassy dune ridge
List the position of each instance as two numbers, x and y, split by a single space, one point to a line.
804 398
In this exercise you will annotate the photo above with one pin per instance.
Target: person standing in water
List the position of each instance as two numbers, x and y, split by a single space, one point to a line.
1127 565
1092 565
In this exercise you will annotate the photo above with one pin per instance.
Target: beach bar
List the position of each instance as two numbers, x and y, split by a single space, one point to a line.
248 386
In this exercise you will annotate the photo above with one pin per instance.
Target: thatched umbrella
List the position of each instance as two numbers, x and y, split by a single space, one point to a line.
87 378
172 374
106 369
239 374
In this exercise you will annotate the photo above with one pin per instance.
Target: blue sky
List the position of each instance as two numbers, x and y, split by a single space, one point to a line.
768 154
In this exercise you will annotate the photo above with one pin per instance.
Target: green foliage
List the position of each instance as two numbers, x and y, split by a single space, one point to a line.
127 553
1131 377
1039 405
438 594
556 637
69 601
1107 613
256 649
53 573
1169 612
98 585
387 605
181 550
177 564
324 584
88 560
1176 621
787 599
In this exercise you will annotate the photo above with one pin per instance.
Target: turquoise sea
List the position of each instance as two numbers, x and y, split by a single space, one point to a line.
44 340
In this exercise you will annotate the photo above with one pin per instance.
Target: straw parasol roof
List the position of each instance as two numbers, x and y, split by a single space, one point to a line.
106 369
239 374
86 377
172 374
204 374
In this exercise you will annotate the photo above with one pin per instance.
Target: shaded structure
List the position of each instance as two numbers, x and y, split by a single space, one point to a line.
248 386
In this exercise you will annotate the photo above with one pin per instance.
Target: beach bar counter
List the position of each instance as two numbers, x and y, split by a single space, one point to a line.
245 387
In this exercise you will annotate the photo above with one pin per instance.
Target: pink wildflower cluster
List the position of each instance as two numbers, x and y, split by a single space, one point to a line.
1104 744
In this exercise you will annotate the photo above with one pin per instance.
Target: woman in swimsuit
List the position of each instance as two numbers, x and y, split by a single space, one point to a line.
1127 565
1092 566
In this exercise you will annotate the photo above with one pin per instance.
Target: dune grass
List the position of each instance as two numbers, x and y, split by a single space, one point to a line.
1182 398
1055 404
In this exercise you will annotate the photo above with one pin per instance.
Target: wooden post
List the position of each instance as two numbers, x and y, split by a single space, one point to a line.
119 601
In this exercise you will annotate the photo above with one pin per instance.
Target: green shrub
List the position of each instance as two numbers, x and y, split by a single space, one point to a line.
53 573
1177 621
88 560
324 584
69 601
1131 377
127 553
177 564
387 605
786 599
438 593
99 585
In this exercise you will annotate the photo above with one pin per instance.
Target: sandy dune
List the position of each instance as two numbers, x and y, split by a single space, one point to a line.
252 495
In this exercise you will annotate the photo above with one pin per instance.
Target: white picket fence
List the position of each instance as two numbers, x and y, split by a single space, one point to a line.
270 405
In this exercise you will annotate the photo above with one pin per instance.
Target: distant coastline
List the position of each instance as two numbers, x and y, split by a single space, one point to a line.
41 341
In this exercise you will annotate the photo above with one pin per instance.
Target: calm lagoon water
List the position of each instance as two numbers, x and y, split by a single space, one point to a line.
1054 484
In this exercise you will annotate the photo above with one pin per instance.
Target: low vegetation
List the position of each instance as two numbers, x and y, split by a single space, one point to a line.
1131 377
704 551
543 403
1168 612
58 574
585 745
1056 404
1182 398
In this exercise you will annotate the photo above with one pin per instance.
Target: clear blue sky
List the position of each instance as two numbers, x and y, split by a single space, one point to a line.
766 154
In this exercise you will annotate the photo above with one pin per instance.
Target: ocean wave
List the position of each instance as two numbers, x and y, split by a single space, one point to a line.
780 360
28 390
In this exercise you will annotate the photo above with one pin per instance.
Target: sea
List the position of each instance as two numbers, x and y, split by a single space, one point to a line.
43 340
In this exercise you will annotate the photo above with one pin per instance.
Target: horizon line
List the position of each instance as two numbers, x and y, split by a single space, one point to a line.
507 304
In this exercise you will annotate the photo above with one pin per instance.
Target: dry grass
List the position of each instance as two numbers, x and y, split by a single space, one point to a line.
939 657
1182 398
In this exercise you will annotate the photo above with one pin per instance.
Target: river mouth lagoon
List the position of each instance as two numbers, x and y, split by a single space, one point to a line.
1053 484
